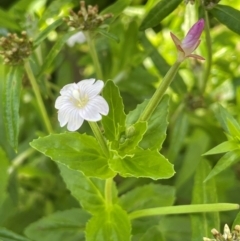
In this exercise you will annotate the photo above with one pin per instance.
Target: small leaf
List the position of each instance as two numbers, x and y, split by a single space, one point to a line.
54 52
76 151
114 122
161 10
11 102
4 164
157 124
227 121
116 8
109 225
226 161
148 196
43 34
7 235
144 163
137 131
203 194
88 191
108 35
59 226
228 16
223 147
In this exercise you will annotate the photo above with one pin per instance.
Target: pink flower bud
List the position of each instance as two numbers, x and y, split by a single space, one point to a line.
190 42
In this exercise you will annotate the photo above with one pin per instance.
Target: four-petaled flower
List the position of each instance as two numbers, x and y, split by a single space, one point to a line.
190 42
81 101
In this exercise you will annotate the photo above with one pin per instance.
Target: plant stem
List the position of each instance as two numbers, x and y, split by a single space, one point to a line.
209 52
183 209
156 98
38 96
108 192
93 52
108 184
98 134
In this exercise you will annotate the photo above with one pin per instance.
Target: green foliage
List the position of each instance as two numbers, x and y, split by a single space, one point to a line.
11 101
203 193
161 10
143 163
68 224
109 224
107 172
228 16
7 235
156 130
88 191
3 175
114 122
138 198
78 152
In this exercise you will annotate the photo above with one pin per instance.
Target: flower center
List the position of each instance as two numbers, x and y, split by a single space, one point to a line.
80 100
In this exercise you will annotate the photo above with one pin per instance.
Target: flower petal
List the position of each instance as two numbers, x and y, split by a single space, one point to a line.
90 88
75 121
192 37
100 104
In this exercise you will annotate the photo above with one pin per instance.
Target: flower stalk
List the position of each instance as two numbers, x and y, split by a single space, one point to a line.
93 52
98 134
38 96
157 97
209 52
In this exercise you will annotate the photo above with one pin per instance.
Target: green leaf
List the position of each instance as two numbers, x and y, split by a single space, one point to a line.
76 151
203 194
236 221
144 163
197 145
228 16
227 121
153 233
88 191
116 8
223 147
114 122
109 225
60 226
43 34
7 235
157 124
148 196
160 11
134 136
4 164
11 101
162 66
177 136
54 52
108 35
226 161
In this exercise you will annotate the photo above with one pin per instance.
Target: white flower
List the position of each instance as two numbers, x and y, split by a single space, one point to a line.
79 102
78 37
